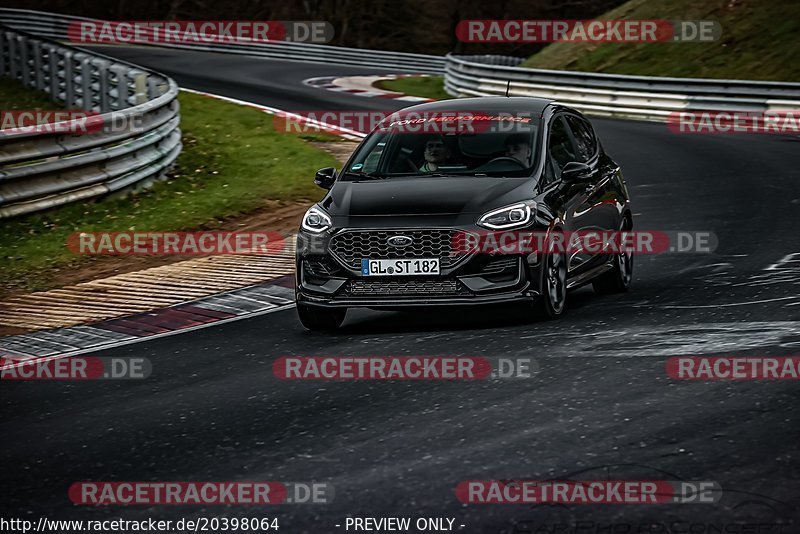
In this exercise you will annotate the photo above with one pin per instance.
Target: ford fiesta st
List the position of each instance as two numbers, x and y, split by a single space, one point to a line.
390 232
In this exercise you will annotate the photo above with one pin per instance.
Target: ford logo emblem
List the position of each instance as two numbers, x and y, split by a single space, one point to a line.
399 241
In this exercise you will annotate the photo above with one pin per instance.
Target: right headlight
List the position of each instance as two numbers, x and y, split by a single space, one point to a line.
316 220
508 217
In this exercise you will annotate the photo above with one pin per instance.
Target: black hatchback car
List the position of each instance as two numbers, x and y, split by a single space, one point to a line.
386 235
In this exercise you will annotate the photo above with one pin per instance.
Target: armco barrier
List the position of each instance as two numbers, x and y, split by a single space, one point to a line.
137 140
55 26
640 97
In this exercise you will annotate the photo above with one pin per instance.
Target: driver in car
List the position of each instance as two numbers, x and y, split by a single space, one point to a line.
518 147
436 153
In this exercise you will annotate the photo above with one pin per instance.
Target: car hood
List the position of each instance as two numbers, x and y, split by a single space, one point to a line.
425 195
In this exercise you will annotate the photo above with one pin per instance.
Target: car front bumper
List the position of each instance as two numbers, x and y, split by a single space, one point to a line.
325 277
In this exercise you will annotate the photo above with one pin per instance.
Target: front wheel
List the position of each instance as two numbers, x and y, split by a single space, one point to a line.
553 286
618 279
319 318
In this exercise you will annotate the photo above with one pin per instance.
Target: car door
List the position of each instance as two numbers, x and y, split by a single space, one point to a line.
574 197
594 209
604 193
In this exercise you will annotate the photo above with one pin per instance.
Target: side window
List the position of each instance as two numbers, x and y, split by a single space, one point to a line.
372 159
586 144
368 155
559 149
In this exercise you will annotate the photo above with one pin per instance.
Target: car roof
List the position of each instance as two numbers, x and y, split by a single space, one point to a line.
486 103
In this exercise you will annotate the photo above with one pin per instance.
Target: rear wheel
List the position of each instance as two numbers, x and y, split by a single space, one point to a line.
618 279
319 318
553 286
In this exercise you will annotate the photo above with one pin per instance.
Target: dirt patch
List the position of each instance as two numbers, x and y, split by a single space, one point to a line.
340 150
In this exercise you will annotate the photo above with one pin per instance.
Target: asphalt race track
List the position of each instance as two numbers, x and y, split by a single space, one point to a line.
600 404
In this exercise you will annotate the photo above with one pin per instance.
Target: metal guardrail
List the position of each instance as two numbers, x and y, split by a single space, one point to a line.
55 26
640 97
136 139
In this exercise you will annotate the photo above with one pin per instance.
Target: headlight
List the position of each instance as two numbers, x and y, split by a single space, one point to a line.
514 216
316 220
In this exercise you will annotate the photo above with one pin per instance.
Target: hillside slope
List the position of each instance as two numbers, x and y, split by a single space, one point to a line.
760 41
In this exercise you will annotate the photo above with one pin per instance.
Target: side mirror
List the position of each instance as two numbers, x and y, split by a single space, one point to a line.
325 177
575 172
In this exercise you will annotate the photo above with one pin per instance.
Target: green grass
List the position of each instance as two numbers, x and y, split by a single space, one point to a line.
14 96
232 160
759 41
423 86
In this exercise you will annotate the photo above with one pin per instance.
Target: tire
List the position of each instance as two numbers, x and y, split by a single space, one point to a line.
618 279
319 318
552 286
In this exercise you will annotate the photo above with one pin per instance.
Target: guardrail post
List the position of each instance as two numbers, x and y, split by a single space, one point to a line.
12 57
139 88
52 59
122 89
69 77
86 85
102 69
37 65
152 88
23 60
3 51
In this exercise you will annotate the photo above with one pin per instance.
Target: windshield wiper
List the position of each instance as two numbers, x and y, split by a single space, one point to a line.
453 174
362 175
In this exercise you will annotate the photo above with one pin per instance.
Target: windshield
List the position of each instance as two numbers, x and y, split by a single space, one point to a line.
487 144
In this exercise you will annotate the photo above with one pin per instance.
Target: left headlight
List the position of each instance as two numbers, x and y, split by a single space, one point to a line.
505 218
316 220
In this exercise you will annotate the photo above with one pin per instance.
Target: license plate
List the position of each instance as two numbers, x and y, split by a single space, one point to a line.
400 267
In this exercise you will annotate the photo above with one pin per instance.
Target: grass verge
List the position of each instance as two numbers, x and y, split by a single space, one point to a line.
14 96
233 162
422 86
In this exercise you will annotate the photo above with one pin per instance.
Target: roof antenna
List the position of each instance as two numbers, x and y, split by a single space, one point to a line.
508 86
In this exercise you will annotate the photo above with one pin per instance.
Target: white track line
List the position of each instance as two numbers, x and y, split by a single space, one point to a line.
344 132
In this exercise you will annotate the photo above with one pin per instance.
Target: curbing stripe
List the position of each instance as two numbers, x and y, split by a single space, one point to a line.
72 341
364 86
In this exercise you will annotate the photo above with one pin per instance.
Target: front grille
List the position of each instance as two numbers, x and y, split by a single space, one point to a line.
352 247
445 286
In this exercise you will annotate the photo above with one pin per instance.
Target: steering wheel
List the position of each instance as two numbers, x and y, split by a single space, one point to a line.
411 165
504 159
